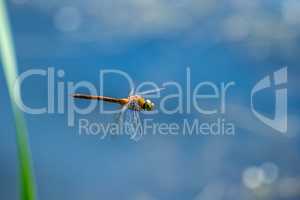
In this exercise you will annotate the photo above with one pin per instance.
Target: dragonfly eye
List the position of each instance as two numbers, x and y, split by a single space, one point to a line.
148 105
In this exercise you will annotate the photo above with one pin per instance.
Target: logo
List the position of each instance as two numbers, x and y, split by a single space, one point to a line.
279 79
201 99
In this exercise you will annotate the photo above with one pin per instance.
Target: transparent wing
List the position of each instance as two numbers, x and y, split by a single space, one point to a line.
130 123
151 91
120 115
131 92
138 126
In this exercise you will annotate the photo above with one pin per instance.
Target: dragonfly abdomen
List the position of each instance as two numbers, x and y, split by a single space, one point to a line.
101 98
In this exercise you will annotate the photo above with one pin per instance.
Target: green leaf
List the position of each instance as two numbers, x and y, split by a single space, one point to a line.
9 63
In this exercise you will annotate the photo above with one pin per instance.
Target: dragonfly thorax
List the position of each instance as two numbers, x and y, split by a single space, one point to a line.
134 105
138 103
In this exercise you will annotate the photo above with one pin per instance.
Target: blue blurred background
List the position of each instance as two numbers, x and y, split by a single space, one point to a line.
151 40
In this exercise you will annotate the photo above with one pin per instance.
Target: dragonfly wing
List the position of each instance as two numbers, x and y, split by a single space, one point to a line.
131 92
130 122
120 115
151 91
138 126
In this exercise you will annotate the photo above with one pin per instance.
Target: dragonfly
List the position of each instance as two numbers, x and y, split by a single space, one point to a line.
131 107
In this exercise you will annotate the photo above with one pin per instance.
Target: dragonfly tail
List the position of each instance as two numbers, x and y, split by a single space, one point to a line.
101 98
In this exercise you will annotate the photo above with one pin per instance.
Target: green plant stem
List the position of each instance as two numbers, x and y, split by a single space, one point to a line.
8 60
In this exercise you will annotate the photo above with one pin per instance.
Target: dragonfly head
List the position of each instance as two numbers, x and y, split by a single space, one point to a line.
148 105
